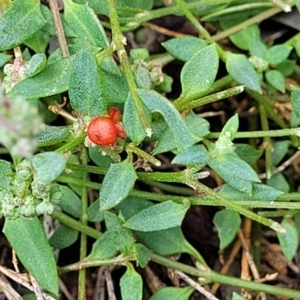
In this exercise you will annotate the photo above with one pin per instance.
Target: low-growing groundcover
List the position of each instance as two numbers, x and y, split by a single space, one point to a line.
150 148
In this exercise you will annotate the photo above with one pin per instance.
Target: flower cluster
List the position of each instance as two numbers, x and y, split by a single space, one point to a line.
28 196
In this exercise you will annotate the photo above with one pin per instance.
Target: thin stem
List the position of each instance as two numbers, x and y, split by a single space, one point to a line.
59 28
140 153
119 40
83 236
199 187
254 20
71 145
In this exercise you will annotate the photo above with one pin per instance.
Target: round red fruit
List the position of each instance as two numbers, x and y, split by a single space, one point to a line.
102 131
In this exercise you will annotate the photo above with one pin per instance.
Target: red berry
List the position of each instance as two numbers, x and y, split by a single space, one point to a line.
120 131
114 114
102 131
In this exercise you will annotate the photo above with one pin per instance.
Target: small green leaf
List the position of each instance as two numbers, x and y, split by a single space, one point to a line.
70 202
48 165
54 79
228 223
4 59
26 16
27 237
103 248
63 237
278 53
118 182
100 160
183 48
6 174
260 192
140 4
141 254
247 153
276 79
36 64
85 24
295 99
199 72
93 213
235 296
157 103
279 182
288 240
197 154
280 149
86 90
258 48
132 122
38 42
230 127
241 70
52 135
286 68
158 217
174 293
234 171
131 284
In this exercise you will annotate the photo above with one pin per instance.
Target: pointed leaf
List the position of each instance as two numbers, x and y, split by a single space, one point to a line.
158 217
157 103
199 72
131 284
36 64
48 165
260 192
52 135
118 182
54 79
28 239
242 71
228 223
197 154
26 16
63 237
70 202
85 24
247 153
288 240
167 293
141 254
276 79
85 88
278 53
295 99
183 48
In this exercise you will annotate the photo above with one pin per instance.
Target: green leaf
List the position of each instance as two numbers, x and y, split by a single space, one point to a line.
247 153
93 213
132 122
199 127
278 53
288 240
235 296
167 293
54 79
38 42
295 99
241 70
279 182
157 103
26 16
192 156
276 79
6 174
70 202
48 165
85 24
27 237
286 68
52 135
141 254
4 59
122 237
230 127
158 217
199 72
99 159
63 237
183 48
228 223
118 182
36 64
280 149
258 48
131 284
260 192
103 248
85 88
242 39
140 4
234 171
